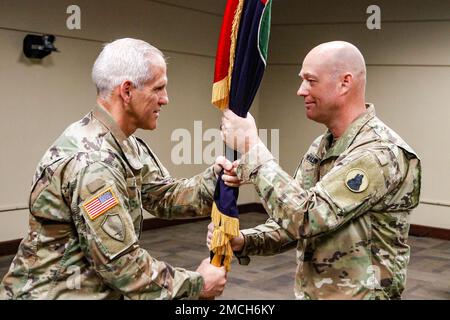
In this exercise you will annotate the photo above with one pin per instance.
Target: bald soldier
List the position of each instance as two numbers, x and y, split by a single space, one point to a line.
91 186
346 208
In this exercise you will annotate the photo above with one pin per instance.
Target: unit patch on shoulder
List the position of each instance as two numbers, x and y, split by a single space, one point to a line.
100 203
357 180
114 227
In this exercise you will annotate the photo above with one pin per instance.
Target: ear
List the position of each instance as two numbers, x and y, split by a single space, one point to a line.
125 90
346 82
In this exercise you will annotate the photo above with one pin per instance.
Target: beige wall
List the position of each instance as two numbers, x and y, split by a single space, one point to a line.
41 98
408 81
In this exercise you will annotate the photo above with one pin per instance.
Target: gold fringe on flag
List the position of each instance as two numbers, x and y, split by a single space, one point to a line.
225 229
221 94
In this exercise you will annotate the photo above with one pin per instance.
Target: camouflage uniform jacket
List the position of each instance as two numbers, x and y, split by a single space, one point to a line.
86 217
346 209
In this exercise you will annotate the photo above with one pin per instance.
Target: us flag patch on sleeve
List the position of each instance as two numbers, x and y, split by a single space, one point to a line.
100 203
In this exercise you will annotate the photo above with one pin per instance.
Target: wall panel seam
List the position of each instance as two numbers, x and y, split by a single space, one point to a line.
373 65
298 24
102 42
185 8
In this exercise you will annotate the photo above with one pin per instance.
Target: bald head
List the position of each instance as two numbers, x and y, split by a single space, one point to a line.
337 58
333 84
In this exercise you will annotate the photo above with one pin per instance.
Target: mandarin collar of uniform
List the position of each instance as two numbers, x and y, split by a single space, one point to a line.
350 134
127 146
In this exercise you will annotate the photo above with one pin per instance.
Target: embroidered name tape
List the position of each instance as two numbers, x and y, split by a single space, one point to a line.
100 203
312 158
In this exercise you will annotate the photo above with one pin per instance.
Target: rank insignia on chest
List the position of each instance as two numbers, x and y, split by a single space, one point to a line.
100 203
357 180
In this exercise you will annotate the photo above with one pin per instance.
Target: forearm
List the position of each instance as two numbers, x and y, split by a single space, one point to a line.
331 202
266 239
137 275
301 213
181 198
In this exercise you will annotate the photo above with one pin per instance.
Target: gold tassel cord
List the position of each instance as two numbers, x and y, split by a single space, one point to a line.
234 34
221 89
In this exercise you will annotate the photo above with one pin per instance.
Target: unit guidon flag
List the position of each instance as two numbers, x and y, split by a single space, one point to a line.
240 63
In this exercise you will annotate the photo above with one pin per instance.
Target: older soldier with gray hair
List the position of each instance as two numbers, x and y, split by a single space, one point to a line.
90 188
347 206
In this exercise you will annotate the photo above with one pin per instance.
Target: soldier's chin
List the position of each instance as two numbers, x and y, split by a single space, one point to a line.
151 126
309 114
313 117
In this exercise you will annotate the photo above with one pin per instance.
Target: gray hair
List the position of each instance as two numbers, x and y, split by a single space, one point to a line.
121 60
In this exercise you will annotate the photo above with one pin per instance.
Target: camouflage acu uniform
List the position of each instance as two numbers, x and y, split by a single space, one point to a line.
86 217
346 209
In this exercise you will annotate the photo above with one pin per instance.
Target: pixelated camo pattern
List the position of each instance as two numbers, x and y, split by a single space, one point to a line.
66 255
351 243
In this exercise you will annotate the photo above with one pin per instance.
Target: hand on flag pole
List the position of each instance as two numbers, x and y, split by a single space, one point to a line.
214 280
239 133
229 171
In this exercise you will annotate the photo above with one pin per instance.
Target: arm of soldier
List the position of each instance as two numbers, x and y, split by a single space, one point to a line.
168 198
108 239
265 239
334 200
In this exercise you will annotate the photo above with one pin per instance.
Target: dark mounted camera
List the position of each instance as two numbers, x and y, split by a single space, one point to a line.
37 47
